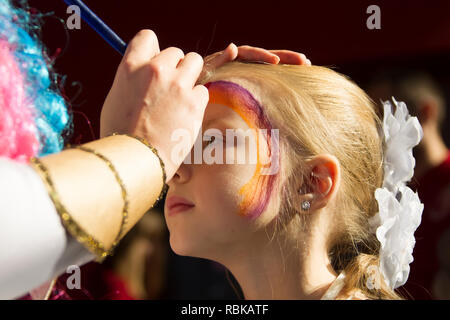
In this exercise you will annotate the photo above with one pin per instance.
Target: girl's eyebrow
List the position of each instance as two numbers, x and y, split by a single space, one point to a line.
210 121
218 120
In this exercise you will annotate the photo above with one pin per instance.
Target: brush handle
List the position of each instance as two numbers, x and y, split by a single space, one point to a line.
99 26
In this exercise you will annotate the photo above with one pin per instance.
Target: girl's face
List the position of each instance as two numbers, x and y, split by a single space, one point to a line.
230 199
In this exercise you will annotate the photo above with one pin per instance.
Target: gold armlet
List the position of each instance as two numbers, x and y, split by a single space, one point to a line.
122 187
163 168
74 229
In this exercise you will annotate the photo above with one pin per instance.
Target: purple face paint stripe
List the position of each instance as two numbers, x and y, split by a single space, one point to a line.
258 190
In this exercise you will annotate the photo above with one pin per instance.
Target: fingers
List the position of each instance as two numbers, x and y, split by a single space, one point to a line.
201 95
248 53
143 47
291 57
190 68
169 57
220 58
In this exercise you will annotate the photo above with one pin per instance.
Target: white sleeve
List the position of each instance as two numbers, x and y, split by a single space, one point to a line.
34 245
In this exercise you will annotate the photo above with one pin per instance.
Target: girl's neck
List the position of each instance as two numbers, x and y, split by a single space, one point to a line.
270 270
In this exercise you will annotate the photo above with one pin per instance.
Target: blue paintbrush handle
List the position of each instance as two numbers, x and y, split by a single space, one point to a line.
99 26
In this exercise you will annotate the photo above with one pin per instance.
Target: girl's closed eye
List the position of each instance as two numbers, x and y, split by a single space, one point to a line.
209 140
216 138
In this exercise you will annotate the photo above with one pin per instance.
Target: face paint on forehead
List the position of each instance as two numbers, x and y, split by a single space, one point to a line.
257 191
240 100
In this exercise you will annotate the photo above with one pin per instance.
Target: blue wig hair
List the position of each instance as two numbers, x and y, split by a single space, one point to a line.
17 26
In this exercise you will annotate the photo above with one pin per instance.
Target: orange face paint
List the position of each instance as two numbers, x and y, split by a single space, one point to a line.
257 191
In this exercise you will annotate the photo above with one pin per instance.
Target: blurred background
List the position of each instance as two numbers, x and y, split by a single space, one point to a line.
411 48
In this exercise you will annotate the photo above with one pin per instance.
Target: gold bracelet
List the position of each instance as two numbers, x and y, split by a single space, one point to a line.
74 229
122 187
163 168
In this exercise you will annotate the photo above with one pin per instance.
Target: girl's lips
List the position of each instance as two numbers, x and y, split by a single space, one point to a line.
179 208
177 204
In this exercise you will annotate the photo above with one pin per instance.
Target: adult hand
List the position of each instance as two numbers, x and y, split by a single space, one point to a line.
154 94
249 53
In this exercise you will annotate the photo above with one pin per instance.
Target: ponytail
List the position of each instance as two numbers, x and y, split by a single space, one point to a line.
360 263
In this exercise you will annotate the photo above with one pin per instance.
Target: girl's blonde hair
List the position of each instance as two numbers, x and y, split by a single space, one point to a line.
321 111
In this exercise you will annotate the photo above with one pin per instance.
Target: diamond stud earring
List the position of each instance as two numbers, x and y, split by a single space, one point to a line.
306 205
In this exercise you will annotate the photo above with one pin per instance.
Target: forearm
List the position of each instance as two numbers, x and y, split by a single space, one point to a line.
101 196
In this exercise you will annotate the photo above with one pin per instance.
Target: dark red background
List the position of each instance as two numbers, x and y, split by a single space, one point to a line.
413 34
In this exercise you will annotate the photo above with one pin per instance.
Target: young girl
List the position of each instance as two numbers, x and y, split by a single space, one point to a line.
294 224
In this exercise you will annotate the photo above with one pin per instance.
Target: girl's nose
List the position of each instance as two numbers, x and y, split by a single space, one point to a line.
182 175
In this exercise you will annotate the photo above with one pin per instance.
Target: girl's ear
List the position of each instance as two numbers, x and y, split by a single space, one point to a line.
321 184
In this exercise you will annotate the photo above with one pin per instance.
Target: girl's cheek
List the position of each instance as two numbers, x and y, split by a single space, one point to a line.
225 181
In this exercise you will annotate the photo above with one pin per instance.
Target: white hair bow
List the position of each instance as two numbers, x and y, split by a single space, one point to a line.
400 209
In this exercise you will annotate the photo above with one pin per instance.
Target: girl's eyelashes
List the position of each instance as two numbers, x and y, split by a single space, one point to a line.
214 138
210 139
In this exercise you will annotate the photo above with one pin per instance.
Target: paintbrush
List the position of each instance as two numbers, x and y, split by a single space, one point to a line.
99 26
